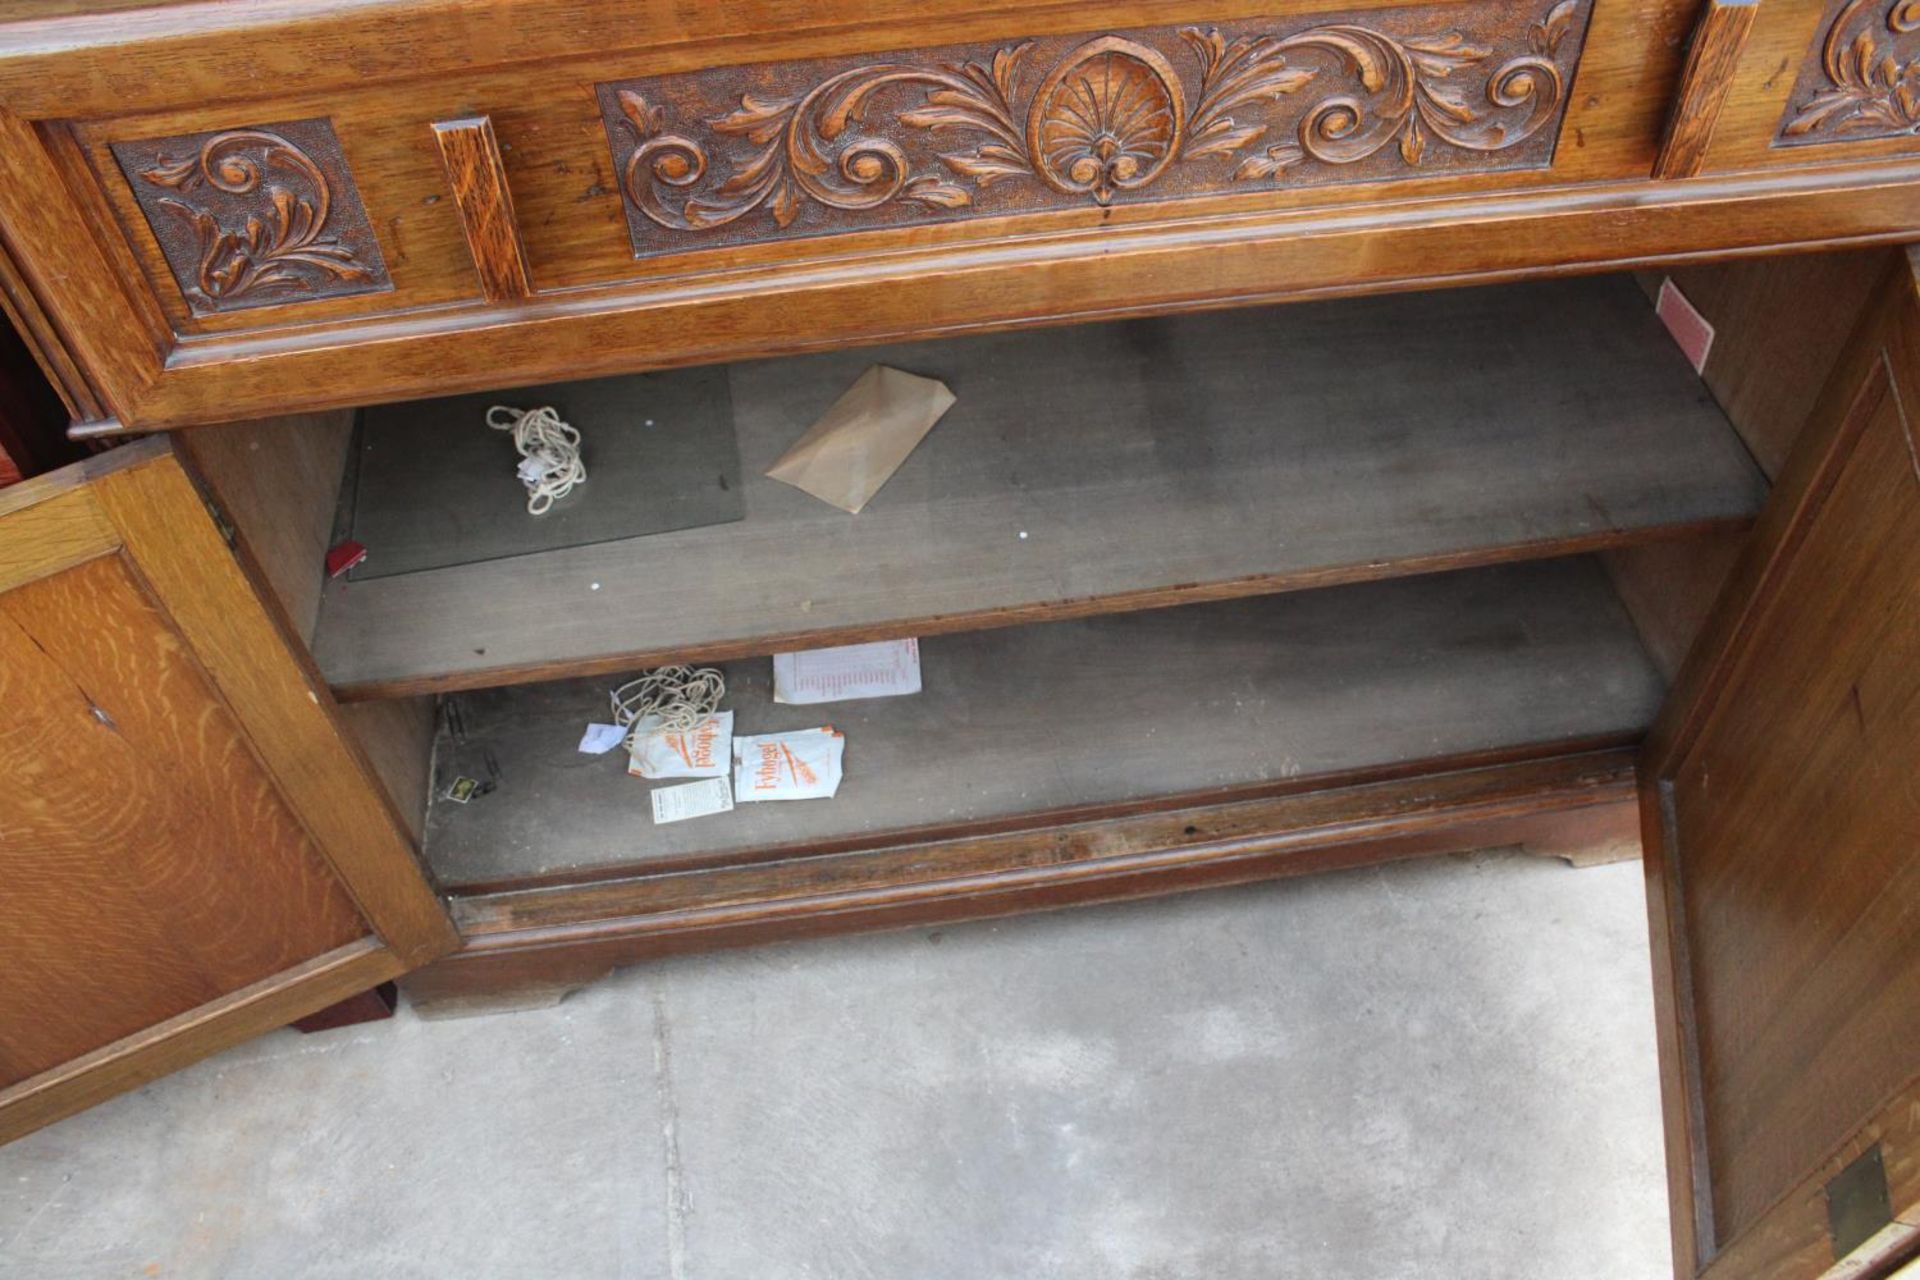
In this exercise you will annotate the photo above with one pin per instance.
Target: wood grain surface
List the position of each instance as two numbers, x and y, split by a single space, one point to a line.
1705 80
150 864
86 254
470 153
1782 873
259 670
182 1040
274 482
1800 871
1671 587
1081 717
1098 468
1779 325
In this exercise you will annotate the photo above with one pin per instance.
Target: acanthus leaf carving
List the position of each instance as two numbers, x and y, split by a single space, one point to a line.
1111 114
278 235
1861 87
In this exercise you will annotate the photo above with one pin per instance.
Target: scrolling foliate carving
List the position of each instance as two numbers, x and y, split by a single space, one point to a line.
974 130
1865 82
256 216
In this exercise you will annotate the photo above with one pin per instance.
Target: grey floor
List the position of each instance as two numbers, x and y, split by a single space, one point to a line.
1437 1069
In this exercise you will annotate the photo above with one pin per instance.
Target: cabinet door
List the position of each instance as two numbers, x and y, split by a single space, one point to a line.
1781 801
190 850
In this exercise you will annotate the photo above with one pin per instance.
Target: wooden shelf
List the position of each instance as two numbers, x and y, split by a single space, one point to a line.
1097 468
1083 718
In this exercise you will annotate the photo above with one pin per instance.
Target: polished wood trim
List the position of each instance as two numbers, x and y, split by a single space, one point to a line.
1717 44
60 262
1689 1205
58 533
278 700
1016 826
1036 278
470 154
24 312
118 62
183 1040
537 938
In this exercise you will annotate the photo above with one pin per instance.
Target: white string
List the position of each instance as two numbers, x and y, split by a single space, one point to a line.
549 453
681 696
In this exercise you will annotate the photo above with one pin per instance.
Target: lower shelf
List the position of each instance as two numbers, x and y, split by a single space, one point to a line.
1044 725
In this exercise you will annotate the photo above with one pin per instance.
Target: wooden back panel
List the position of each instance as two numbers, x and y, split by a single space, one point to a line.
1784 837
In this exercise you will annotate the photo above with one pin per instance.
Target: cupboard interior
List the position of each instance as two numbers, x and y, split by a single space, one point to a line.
1264 547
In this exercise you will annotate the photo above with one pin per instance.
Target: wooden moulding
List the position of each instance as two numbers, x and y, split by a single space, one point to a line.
471 156
540 942
1705 81
181 1041
1104 273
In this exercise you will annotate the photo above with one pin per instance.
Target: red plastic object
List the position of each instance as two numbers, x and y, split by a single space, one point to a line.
344 557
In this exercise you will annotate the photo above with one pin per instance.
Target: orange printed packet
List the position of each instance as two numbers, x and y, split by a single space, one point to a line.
801 765
701 752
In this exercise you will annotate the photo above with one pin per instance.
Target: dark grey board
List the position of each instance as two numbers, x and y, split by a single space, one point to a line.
433 486
1110 710
1243 451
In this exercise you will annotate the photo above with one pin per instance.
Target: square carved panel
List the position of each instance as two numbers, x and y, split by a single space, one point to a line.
740 155
1861 78
255 217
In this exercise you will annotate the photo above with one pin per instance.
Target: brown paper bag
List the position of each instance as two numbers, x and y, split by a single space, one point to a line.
863 438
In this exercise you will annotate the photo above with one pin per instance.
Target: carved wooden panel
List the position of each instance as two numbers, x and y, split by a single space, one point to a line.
255 217
741 154
1861 79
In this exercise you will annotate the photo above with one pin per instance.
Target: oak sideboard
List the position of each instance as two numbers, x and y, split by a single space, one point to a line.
1382 429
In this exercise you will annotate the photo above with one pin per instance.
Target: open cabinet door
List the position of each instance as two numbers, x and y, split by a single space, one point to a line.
1781 805
191 852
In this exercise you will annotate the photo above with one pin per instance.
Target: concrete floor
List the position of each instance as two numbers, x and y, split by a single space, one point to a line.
1438 1069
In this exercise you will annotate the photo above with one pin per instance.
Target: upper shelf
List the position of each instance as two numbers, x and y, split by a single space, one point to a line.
1126 465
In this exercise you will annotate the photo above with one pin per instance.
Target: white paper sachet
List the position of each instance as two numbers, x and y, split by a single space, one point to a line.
703 751
801 765
882 670
601 738
691 800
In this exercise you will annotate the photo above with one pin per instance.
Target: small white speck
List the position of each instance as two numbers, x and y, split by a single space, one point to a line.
1023 535
649 422
595 587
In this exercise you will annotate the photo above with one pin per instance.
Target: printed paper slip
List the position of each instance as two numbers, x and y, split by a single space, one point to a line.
692 800
702 752
801 765
882 670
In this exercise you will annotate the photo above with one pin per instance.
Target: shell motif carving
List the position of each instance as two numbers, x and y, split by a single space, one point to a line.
1074 119
1108 118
